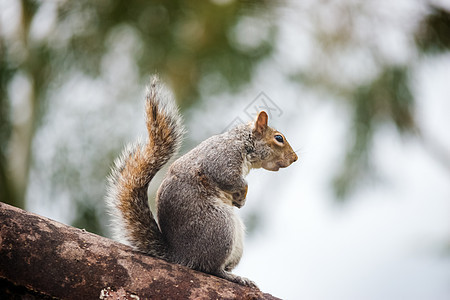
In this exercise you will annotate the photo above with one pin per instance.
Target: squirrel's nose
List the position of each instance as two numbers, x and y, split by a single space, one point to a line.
294 157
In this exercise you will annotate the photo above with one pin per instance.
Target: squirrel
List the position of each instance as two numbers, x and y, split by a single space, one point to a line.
197 225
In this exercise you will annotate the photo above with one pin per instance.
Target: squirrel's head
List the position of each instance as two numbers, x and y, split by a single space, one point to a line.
271 145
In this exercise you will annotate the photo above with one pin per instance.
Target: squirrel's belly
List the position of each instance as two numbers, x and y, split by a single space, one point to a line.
238 231
237 243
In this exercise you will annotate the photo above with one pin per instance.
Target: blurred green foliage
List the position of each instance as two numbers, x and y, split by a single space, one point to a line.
386 99
185 42
433 35
5 123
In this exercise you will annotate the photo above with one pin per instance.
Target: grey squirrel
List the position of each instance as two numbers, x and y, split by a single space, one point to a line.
197 225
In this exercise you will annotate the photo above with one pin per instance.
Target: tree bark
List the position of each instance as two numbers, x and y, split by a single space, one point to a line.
43 259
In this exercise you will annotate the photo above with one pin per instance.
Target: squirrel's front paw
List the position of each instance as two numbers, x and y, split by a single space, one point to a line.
239 197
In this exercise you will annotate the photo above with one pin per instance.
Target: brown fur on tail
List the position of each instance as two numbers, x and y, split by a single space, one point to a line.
136 167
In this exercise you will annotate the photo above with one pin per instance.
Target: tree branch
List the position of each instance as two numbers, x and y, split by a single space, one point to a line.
43 258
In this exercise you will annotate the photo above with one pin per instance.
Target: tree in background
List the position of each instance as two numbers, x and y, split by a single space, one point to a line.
45 45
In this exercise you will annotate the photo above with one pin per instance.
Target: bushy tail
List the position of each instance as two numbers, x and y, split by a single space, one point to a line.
127 199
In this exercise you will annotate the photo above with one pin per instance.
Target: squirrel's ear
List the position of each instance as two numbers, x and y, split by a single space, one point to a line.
261 122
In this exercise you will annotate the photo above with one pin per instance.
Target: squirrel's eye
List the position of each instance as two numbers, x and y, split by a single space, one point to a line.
279 138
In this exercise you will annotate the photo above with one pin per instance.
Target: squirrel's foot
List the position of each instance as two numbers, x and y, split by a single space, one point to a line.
246 282
236 279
